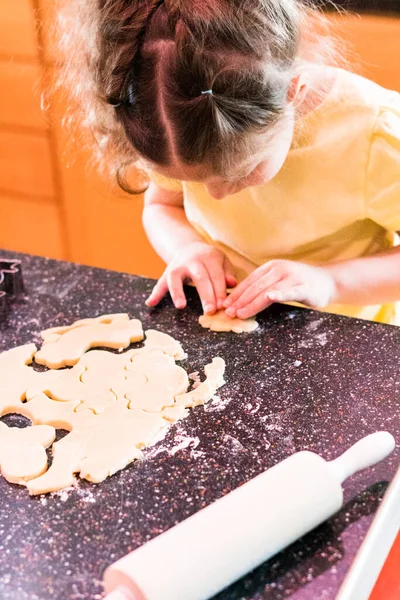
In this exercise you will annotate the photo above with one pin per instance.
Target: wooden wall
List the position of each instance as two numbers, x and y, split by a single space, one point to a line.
30 199
50 203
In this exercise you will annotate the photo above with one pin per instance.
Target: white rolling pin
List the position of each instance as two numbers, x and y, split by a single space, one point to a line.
201 556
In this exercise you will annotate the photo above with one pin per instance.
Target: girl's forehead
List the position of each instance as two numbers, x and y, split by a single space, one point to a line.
202 173
184 172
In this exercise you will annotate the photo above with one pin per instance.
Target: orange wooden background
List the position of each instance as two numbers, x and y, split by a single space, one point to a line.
50 205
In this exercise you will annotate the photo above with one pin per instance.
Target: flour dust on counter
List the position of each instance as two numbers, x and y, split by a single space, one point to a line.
113 404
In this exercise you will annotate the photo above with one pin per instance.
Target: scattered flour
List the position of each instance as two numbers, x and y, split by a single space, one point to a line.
314 324
84 495
217 404
320 339
252 409
233 444
181 442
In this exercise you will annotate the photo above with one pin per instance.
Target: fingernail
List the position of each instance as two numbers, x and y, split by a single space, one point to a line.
180 304
230 312
208 308
220 304
227 302
241 313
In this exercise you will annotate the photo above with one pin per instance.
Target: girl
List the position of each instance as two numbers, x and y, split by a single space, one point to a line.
267 167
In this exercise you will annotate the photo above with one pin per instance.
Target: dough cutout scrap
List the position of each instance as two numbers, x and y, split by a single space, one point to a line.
22 451
54 332
64 349
113 405
206 390
221 322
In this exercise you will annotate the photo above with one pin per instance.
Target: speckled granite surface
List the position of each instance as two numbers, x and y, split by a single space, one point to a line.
304 380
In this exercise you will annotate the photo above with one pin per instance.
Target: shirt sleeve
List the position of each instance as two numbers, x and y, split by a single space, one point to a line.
166 183
383 175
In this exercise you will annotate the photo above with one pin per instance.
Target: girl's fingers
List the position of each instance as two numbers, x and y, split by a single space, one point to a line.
230 281
217 277
296 293
158 292
260 302
202 281
175 286
237 292
263 284
230 278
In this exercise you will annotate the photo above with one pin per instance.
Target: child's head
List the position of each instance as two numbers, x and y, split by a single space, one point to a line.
197 89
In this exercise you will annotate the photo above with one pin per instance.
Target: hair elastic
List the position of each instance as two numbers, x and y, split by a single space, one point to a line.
209 92
113 102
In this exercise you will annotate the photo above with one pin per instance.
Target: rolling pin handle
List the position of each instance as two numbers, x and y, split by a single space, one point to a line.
363 454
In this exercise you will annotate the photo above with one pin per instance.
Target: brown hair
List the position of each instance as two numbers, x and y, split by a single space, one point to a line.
138 69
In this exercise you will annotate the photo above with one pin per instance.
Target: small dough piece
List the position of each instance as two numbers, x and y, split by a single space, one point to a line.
41 434
221 322
16 376
166 343
54 332
20 464
68 347
22 451
206 390
65 463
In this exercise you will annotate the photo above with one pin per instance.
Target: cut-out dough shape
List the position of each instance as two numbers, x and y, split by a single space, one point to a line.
67 348
54 332
67 385
16 376
162 341
106 445
221 322
22 451
113 405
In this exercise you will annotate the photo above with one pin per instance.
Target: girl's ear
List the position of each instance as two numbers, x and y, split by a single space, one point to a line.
297 90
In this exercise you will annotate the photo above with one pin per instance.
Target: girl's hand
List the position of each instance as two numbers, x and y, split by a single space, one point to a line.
281 281
207 267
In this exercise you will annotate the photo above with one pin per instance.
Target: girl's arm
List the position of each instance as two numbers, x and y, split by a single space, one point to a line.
188 256
165 222
369 280
362 281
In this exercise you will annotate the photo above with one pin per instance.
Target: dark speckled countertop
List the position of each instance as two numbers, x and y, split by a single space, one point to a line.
304 380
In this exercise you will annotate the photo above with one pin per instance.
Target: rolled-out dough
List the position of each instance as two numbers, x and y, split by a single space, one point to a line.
65 347
221 322
113 405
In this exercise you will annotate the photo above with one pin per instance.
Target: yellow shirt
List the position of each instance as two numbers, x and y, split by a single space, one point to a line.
337 196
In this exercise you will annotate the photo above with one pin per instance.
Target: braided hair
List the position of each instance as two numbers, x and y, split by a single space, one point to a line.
198 81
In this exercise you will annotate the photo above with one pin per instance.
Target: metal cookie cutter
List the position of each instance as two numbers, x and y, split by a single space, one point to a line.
11 282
